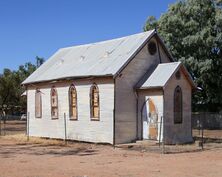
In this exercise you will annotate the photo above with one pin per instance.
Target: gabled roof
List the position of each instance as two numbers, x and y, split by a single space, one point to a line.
163 73
105 58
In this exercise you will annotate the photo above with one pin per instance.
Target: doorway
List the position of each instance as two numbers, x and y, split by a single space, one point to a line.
150 120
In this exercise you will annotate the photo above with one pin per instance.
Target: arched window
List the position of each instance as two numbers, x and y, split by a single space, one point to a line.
178 105
94 102
38 104
73 103
54 103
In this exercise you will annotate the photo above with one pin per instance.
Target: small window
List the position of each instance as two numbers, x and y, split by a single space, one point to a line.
73 103
94 102
178 105
54 103
152 48
38 104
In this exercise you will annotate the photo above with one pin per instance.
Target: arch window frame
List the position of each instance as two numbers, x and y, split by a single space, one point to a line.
54 103
94 103
178 105
73 103
38 104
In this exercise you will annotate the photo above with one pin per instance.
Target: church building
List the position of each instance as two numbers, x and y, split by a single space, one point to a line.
116 91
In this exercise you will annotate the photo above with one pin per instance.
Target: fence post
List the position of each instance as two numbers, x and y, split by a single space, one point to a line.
27 126
202 130
161 119
65 129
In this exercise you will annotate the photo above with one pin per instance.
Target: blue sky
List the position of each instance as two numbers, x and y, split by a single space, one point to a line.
30 28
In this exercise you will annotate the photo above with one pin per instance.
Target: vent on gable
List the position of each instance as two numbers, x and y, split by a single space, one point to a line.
152 48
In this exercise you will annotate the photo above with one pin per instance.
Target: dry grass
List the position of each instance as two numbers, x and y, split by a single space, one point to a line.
22 139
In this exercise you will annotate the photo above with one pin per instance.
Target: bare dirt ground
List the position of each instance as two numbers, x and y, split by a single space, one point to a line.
50 158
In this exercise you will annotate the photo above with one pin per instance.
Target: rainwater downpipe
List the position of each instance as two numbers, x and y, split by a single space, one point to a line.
137 118
163 122
158 47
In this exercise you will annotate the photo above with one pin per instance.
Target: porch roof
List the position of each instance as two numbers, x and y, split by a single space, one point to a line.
163 73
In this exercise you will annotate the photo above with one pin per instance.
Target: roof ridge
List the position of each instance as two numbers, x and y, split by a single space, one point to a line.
108 40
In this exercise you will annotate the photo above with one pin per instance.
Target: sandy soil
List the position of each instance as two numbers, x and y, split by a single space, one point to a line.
43 159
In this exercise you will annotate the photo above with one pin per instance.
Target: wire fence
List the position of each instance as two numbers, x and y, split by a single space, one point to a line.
206 132
207 128
12 125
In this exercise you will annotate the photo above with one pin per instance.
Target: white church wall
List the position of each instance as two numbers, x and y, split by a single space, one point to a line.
177 133
126 98
83 129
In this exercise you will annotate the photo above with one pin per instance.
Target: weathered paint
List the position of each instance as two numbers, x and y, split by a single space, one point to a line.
177 133
143 127
83 129
126 98
163 55
126 125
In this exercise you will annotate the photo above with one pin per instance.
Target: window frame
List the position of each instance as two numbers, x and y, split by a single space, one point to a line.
38 93
71 117
178 101
92 88
54 107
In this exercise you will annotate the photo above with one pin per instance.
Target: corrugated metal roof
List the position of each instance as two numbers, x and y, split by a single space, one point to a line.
96 59
161 75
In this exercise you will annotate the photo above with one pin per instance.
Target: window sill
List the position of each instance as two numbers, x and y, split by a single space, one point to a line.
94 119
73 119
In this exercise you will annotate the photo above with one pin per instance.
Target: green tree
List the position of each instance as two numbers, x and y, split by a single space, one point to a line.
192 30
11 89
39 61
7 89
151 23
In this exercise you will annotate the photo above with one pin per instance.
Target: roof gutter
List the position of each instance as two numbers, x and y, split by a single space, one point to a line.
148 88
67 78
